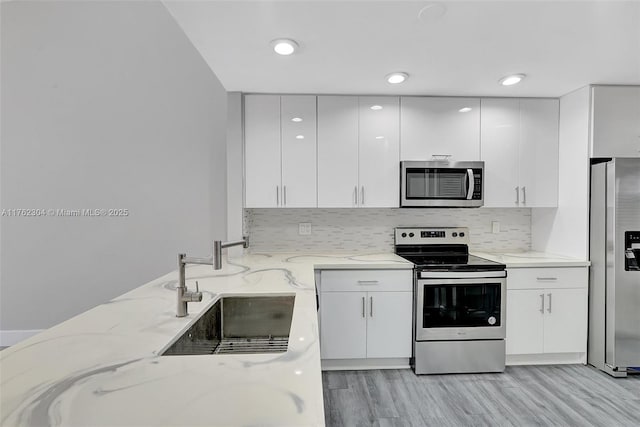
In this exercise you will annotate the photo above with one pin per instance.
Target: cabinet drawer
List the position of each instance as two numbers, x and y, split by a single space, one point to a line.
366 280
538 278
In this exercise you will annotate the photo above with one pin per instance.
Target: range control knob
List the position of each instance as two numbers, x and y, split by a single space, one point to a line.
462 234
411 234
454 234
404 234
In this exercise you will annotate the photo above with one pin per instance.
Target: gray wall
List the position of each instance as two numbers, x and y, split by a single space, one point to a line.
104 105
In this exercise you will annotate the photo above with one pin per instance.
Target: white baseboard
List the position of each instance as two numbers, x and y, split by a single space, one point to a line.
547 359
364 364
8 338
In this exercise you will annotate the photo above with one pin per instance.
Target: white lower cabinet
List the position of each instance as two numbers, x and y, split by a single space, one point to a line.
365 314
547 315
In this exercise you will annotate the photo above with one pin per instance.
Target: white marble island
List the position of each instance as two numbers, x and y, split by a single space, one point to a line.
102 367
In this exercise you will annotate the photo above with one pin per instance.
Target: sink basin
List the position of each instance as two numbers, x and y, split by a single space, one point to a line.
238 325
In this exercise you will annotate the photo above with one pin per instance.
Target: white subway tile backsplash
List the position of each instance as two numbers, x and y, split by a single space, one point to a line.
371 230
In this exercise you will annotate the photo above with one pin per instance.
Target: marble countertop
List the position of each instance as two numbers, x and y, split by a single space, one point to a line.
532 259
102 367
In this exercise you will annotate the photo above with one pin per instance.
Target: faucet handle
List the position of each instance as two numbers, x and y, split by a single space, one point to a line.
197 290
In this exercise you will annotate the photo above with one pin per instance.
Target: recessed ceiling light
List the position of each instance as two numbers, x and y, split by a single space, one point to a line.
296 119
299 136
380 137
284 46
465 109
395 78
512 79
376 107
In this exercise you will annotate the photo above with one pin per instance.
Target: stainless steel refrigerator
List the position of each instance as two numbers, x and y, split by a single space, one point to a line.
614 278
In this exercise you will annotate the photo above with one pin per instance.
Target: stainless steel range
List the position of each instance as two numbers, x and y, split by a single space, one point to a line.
459 302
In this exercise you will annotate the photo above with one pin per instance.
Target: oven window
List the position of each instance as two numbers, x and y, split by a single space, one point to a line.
447 306
436 183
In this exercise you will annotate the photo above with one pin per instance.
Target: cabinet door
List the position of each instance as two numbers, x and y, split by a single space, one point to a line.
343 325
615 121
337 151
440 126
500 140
389 324
298 151
539 120
379 151
565 321
262 151
525 323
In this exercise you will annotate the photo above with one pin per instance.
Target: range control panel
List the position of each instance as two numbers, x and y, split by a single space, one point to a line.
431 235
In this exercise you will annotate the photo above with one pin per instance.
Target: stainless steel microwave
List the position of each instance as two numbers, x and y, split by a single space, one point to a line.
441 184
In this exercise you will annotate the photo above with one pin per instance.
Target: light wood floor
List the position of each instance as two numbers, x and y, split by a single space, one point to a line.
568 395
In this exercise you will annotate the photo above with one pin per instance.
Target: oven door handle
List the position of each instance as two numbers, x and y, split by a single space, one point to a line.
470 185
461 274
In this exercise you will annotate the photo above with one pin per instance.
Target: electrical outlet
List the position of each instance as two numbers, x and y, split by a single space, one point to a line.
304 228
495 227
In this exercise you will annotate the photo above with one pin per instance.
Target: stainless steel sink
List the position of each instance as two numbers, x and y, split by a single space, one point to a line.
239 325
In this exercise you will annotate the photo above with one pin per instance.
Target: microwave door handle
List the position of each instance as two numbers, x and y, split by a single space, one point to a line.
469 184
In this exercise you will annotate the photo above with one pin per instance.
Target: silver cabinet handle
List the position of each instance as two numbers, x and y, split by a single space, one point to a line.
367 282
517 195
362 201
524 195
470 183
362 306
542 303
277 195
355 195
549 309
542 279
371 307
284 196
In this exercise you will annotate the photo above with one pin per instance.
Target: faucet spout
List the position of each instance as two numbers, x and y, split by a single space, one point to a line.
218 246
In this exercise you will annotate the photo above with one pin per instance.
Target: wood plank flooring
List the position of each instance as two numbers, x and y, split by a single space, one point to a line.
567 395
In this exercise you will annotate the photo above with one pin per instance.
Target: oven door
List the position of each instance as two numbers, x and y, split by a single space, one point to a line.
460 309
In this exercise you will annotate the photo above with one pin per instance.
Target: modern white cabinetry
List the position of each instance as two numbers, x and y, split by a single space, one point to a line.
365 315
615 121
280 152
519 141
358 151
547 315
440 126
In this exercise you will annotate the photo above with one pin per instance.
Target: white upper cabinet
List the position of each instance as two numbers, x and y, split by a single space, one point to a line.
280 151
262 151
337 151
298 124
379 151
538 157
520 150
358 151
434 126
615 121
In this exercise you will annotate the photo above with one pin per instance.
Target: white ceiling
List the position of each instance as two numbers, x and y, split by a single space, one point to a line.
349 46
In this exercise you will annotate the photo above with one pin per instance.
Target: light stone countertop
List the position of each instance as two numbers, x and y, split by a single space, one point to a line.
532 259
102 368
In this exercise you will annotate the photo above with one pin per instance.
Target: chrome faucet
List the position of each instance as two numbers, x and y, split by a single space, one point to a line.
186 296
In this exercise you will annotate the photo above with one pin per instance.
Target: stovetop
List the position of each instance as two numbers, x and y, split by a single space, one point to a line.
440 249
453 263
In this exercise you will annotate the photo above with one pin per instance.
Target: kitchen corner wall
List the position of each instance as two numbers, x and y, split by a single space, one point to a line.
104 105
371 230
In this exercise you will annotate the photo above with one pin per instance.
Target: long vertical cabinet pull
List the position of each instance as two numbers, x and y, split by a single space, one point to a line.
524 195
355 195
549 309
362 201
542 303
284 195
371 306
517 195
363 315
277 195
